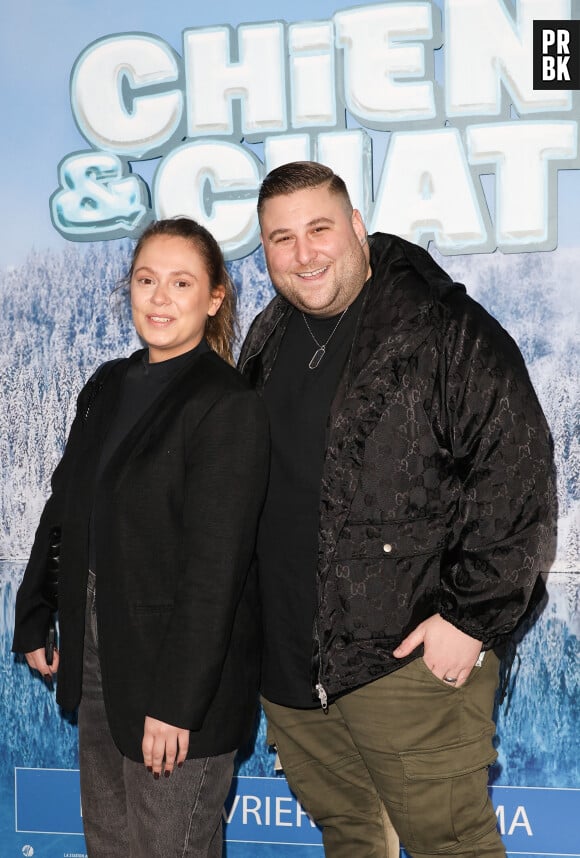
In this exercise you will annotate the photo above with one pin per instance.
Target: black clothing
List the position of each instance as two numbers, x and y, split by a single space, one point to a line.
298 401
438 491
142 384
178 617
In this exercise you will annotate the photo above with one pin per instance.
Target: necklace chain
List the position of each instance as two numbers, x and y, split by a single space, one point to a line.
321 350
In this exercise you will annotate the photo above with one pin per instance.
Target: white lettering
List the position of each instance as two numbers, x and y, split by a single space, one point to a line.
484 48
257 810
563 42
105 100
500 815
349 154
286 148
312 75
525 155
215 183
521 820
213 81
548 39
251 805
426 190
563 73
281 809
96 198
132 101
229 816
548 68
377 53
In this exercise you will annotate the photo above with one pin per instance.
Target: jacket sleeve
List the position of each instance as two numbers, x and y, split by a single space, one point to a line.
505 527
33 604
226 479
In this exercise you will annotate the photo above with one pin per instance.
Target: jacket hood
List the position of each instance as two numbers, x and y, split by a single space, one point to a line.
405 288
389 253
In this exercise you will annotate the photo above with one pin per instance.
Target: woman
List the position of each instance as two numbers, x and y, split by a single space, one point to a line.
158 495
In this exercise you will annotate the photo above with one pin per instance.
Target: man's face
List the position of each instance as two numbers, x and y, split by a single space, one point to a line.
316 251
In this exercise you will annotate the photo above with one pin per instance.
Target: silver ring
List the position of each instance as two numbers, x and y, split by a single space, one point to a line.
449 680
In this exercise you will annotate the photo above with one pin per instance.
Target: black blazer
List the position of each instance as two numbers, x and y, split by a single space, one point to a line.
178 617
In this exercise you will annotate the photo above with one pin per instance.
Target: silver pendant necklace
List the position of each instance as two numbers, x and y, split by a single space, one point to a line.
321 347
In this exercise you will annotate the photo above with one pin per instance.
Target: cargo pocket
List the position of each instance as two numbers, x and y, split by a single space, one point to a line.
446 801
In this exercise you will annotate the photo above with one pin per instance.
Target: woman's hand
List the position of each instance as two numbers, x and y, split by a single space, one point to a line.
37 661
163 744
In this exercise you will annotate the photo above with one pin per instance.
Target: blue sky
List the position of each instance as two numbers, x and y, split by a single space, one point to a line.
39 43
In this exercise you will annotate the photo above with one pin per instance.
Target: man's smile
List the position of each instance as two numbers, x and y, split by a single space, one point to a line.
307 275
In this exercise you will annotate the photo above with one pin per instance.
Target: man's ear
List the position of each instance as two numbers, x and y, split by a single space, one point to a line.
359 226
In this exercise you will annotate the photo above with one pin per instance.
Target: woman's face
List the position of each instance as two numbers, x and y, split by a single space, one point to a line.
171 296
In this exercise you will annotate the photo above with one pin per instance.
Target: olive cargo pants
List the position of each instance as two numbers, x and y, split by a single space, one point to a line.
407 742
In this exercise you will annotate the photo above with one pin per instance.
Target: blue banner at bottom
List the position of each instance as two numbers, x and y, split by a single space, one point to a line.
262 810
48 801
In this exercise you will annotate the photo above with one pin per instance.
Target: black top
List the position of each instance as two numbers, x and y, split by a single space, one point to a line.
298 401
437 409
143 383
178 608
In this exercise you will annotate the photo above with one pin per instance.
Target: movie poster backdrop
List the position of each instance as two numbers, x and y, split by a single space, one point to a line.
454 124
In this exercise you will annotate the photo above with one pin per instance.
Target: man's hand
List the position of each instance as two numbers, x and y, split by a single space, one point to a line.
164 746
448 652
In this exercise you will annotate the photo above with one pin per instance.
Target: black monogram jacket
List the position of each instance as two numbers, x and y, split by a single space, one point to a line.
438 492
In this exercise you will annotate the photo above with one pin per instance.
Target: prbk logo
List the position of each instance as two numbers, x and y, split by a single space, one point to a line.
556 54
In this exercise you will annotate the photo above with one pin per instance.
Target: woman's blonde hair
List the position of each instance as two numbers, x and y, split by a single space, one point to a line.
221 330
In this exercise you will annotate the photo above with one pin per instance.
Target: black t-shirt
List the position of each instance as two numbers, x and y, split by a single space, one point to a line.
298 401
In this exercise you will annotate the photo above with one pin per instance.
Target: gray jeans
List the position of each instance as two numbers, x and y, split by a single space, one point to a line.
125 810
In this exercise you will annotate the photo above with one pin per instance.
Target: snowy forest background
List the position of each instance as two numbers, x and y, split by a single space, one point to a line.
58 322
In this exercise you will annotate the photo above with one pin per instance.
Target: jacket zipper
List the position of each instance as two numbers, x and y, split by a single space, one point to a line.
319 687
251 357
262 346
322 696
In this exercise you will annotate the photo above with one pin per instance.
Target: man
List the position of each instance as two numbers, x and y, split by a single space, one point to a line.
409 514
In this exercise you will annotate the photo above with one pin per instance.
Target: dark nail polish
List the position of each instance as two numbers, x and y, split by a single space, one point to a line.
156 775
180 765
149 768
167 773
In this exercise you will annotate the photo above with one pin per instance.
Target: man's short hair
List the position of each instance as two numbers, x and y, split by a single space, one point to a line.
299 176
